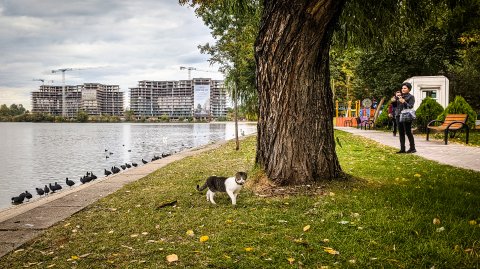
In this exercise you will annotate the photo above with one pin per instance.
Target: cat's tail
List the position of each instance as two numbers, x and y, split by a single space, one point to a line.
202 187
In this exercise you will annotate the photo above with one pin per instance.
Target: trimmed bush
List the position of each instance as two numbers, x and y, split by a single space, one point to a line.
383 119
428 110
460 106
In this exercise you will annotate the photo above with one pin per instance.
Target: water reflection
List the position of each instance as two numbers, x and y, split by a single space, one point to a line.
35 154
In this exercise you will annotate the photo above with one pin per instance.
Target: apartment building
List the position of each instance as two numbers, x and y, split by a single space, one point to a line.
176 99
94 98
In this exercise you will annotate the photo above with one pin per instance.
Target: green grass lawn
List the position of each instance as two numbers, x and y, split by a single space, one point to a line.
382 217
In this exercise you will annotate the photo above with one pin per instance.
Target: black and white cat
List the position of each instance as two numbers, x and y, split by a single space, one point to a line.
231 186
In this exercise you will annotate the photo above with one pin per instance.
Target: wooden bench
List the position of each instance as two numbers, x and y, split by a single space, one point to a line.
452 123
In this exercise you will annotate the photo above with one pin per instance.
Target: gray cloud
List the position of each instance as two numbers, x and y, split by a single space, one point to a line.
130 40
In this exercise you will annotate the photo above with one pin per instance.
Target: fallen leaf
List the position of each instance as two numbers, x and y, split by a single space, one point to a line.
133 235
436 221
74 257
110 232
203 238
331 194
441 229
331 251
417 175
51 265
144 233
291 260
190 233
306 228
19 250
66 225
326 240
228 221
172 258
472 222
85 255
249 249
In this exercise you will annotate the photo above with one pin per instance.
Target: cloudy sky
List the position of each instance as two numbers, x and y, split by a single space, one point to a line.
117 42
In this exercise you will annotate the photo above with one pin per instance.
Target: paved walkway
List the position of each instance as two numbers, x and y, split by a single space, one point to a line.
458 155
21 223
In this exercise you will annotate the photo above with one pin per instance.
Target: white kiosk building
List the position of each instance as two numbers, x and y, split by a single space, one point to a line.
436 87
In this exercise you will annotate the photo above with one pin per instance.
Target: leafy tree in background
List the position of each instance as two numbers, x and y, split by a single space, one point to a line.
82 116
428 110
4 111
235 27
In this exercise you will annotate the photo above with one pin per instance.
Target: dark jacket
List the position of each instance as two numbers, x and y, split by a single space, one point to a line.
409 102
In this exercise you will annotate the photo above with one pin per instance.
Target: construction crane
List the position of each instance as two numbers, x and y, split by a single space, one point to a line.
42 80
189 69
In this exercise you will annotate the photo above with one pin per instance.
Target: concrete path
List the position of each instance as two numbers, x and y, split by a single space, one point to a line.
458 155
21 223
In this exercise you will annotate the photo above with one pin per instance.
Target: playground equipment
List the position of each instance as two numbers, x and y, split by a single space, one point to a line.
346 115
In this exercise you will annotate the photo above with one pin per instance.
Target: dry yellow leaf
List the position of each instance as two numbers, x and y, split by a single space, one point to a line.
248 249
204 238
228 221
472 222
436 221
417 175
74 257
331 251
306 228
190 233
291 260
172 258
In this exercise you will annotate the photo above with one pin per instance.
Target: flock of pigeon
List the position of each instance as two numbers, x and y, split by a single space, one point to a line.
84 179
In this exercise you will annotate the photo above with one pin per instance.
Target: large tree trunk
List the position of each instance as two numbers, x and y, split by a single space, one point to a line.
295 128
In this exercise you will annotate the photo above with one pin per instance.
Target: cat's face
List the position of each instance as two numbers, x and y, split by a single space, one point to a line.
241 177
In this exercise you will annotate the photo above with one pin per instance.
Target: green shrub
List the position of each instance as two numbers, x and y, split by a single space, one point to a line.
460 106
428 110
383 119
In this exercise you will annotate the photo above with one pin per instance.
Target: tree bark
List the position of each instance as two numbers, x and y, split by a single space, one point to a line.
295 143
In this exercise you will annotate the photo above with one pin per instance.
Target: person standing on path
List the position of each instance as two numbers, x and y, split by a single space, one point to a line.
391 111
405 101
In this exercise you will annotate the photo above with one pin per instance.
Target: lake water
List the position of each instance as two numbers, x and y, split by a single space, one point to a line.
35 154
